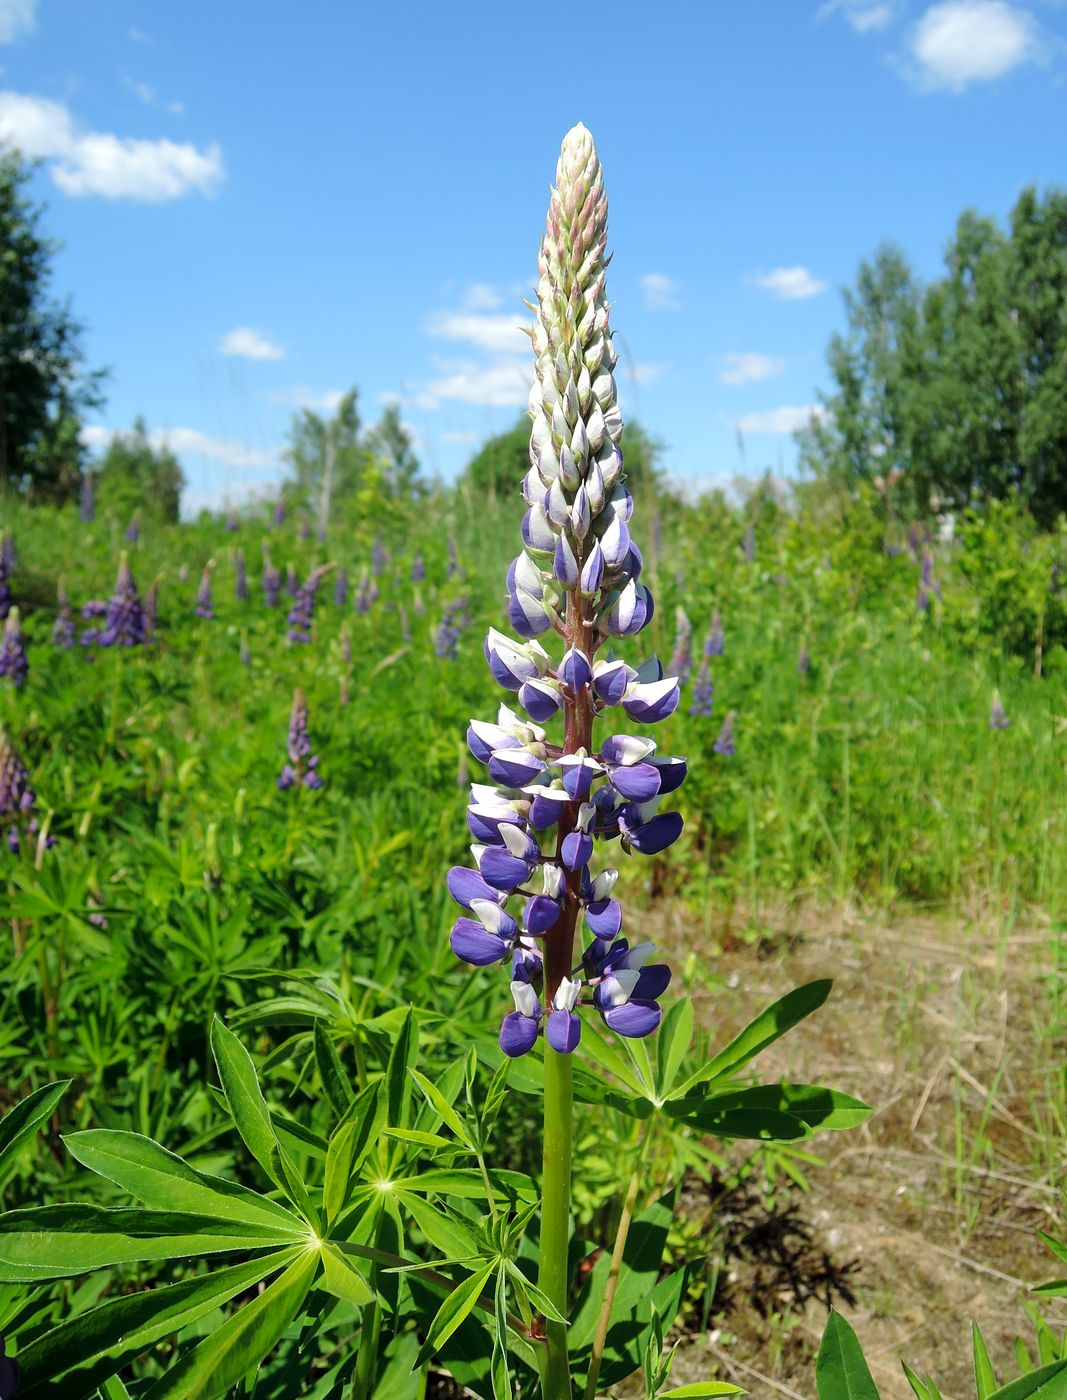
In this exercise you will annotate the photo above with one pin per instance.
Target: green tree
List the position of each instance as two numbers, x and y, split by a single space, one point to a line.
391 442
134 476
43 388
327 456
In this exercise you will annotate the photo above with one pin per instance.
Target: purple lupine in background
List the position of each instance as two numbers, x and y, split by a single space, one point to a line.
232 522
715 641
303 765
305 530
240 577
63 627
279 513
87 498
405 627
928 584
292 583
378 556
133 530
13 663
748 544
362 599
205 607
301 613
418 569
803 660
452 568
681 662
272 581
454 622
5 588
703 701
417 603
246 655
8 553
340 587
997 718
124 624
725 745
579 572
183 574
17 797
346 644
150 609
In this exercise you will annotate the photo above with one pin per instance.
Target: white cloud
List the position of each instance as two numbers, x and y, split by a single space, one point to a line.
864 16
660 292
972 41
790 283
464 436
145 91
100 163
779 420
228 451
480 296
500 335
749 367
502 385
17 19
642 373
249 344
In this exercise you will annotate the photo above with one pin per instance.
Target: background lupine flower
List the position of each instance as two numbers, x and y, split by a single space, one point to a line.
231 522
279 513
453 624
305 530
725 745
240 577
346 644
246 655
8 553
63 627
300 614
405 626
87 499
13 663
5 590
418 569
204 605
124 624
378 557
340 587
302 768
183 574
133 530
928 585
272 582
681 662
803 660
292 583
997 718
715 641
703 700
579 573
452 567
17 797
748 544
362 599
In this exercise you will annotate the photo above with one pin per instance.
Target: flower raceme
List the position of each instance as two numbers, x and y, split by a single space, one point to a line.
302 767
536 823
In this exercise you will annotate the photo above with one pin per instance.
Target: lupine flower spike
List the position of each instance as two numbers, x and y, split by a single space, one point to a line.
272 581
133 530
13 663
301 613
63 627
418 569
537 821
715 641
240 577
204 605
17 797
450 629
997 718
725 745
681 662
124 624
340 587
87 499
303 765
803 660
231 522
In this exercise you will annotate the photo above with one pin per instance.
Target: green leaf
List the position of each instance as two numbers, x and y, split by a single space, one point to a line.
452 1237
419 1139
65 1240
443 1108
541 1301
1049 1383
672 1043
459 1304
769 1026
398 1072
984 1377
164 1181
342 1278
243 1340
113 1389
641 1261
701 1388
922 1390
335 1083
349 1146
814 1109
841 1372
245 1100
102 1341
27 1116
502 1389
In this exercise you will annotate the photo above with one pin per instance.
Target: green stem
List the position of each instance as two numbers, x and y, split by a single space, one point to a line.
555 1220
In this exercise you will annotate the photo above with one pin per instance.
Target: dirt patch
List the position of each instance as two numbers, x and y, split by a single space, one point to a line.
927 1216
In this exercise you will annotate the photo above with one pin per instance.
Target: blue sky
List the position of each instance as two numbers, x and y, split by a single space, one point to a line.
263 205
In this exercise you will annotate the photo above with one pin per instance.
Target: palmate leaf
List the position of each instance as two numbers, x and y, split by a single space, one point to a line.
641 1261
774 1112
27 1116
245 1100
770 1025
701 1388
243 1340
331 1071
1048 1383
63 1241
348 1147
672 1044
841 1371
163 1180
102 1341
458 1306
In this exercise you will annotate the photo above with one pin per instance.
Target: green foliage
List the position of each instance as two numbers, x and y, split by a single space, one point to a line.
44 388
961 386
136 478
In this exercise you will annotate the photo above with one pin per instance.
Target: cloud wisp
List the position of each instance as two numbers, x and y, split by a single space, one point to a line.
960 42
249 344
784 420
790 283
85 162
749 367
660 292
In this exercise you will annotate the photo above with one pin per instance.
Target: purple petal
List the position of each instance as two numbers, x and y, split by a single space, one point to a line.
563 1031
514 767
640 781
576 849
501 869
652 982
633 1019
603 919
540 700
575 670
465 886
610 685
672 773
545 811
656 835
518 1034
541 914
476 945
